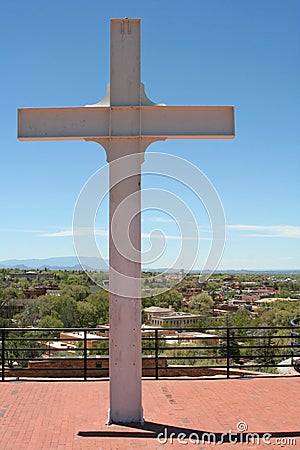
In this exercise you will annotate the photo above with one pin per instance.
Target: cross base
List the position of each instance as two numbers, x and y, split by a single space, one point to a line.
139 420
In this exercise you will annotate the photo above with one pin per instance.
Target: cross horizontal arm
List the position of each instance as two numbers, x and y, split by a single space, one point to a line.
174 122
188 122
61 123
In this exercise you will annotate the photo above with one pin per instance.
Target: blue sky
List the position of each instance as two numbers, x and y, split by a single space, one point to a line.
200 52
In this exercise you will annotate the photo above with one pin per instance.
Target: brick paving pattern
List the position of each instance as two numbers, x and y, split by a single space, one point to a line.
36 415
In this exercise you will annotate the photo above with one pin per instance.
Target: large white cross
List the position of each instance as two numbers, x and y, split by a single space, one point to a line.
125 122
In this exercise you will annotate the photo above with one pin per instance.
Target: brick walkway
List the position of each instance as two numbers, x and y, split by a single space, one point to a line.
36 415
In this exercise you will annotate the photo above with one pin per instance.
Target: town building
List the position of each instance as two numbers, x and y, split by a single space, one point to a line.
156 311
31 275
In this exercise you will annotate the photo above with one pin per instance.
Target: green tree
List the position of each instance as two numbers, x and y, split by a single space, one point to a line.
30 317
67 311
233 345
99 301
284 292
50 322
241 318
9 292
76 291
280 313
202 303
22 348
265 355
87 314
164 300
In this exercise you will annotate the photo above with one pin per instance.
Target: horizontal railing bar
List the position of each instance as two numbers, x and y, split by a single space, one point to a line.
238 366
64 358
194 357
267 327
28 330
50 369
173 367
214 358
37 339
185 348
199 338
240 347
260 336
284 355
26 349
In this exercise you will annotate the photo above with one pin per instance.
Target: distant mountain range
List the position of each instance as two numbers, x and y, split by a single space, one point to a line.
56 263
101 265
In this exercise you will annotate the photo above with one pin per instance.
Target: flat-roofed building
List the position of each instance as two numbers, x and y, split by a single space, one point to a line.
156 311
175 320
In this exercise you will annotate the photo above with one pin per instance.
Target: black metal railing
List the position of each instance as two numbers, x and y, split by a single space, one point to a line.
196 352
295 343
28 351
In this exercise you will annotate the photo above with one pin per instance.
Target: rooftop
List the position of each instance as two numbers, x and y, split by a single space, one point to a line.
154 309
72 415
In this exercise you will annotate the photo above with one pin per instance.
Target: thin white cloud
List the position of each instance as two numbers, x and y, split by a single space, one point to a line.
77 232
173 237
160 220
89 232
261 231
267 231
58 234
19 230
165 220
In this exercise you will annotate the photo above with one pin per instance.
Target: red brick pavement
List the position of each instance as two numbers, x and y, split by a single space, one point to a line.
71 415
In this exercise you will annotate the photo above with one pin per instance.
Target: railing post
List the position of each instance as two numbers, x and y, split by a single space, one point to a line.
228 352
3 356
84 356
295 343
156 354
291 346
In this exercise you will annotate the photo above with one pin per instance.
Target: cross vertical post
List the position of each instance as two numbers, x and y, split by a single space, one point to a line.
125 362
125 122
